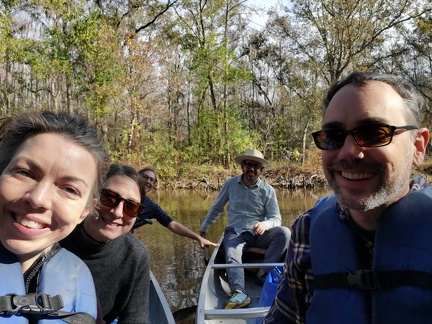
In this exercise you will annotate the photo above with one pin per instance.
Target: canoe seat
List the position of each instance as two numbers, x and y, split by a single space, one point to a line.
254 249
251 254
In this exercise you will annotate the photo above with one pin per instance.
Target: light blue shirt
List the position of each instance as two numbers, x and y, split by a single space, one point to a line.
247 205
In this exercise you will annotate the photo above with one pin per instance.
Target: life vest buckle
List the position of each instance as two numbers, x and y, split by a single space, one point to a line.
363 279
35 303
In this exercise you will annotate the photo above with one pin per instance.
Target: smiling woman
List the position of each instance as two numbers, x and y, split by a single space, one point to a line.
43 196
105 244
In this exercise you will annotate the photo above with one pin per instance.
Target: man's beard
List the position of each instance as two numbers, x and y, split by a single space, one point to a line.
250 176
379 198
389 187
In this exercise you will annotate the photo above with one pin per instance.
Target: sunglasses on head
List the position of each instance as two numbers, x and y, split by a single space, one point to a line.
374 135
112 199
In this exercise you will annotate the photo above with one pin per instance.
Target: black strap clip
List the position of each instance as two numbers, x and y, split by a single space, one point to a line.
363 279
38 303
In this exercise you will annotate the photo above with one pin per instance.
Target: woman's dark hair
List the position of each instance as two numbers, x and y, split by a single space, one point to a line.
127 171
14 131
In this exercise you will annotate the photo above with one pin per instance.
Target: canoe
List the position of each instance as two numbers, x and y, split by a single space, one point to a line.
215 290
160 311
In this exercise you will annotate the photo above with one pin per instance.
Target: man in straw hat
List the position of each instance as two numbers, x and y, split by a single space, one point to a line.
254 219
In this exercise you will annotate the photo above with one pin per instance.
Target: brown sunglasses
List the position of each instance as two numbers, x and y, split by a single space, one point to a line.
112 199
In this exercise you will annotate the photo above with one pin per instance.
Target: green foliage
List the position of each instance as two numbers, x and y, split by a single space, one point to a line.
157 150
198 85
219 135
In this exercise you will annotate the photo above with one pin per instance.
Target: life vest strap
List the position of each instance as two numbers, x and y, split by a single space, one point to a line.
370 280
41 304
38 303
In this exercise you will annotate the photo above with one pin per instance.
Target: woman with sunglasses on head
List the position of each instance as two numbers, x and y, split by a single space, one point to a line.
119 262
52 166
154 211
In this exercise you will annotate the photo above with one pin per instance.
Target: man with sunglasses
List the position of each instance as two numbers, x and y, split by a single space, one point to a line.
363 255
153 211
254 219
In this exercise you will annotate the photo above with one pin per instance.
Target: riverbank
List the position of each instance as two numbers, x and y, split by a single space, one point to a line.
283 178
293 177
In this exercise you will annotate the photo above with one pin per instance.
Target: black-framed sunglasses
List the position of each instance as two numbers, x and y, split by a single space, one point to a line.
112 199
251 165
374 135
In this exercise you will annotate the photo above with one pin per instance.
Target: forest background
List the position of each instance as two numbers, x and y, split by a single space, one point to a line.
186 85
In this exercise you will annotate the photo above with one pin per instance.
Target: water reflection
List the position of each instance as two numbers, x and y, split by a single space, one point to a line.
178 262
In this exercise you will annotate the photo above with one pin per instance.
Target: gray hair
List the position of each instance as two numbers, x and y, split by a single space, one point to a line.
413 100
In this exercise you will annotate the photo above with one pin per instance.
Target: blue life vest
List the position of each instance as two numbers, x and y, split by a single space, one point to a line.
64 274
398 286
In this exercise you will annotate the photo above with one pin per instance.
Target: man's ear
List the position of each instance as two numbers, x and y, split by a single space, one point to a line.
420 144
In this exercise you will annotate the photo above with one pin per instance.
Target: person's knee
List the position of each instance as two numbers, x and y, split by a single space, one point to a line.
283 234
286 232
282 237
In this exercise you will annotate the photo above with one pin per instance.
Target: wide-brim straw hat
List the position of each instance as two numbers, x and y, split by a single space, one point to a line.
253 155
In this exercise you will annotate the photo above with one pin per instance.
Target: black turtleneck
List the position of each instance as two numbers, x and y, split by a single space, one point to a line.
121 273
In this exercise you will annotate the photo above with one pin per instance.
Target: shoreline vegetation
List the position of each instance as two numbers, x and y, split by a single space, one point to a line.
286 177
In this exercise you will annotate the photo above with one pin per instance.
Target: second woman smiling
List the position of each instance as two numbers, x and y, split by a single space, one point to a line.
118 261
